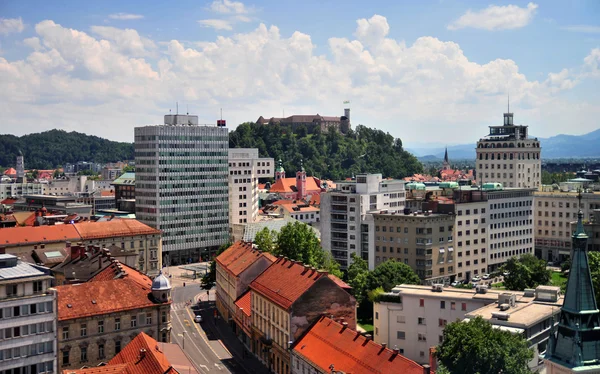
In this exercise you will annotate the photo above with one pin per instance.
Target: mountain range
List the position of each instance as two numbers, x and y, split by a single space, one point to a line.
559 146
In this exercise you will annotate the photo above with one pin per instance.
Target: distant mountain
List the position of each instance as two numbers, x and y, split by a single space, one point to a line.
559 146
50 149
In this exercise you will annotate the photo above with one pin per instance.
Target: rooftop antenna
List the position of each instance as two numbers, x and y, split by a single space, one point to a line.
188 109
508 102
221 113
177 104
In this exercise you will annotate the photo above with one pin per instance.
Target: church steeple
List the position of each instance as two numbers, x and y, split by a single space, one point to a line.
446 164
576 345
279 171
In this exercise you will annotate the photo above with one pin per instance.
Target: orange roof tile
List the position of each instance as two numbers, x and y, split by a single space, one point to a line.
328 342
287 185
107 193
239 257
153 362
339 282
8 201
285 281
244 303
304 209
98 297
283 202
10 171
37 234
315 200
106 229
112 369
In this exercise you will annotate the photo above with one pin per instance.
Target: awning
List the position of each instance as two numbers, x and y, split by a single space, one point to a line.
450 249
441 250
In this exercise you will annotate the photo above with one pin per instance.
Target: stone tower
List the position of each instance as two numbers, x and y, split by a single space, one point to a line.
20 168
279 171
301 182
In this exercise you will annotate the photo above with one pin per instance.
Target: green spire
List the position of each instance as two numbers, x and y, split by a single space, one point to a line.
280 167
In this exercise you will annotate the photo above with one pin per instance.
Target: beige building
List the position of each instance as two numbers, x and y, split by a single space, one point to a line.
509 156
424 241
555 210
98 318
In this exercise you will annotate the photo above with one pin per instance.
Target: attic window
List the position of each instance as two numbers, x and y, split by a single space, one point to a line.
93 301
69 306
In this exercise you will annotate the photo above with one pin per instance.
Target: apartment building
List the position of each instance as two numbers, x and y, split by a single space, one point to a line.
412 318
16 190
245 168
509 156
27 318
286 299
592 228
331 347
555 210
98 318
424 241
181 186
124 187
347 224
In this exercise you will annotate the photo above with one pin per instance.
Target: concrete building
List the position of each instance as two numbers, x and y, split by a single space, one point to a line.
532 316
509 156
181 186
245 168
65 205
28 323
75 185
98 318
286 299
124 187
331 347
301 211
18 190
347 224
311 122
592 229
555 210
111 173
424 241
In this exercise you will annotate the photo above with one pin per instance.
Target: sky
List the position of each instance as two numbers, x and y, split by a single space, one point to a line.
428 72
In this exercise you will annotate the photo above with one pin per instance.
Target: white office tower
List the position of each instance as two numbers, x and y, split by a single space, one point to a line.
347 224
245 168
181 186
28 318
509 156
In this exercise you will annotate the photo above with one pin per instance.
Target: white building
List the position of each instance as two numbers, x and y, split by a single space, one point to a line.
28 318
8 190
245 168
347 224
76 185
509 156
181 186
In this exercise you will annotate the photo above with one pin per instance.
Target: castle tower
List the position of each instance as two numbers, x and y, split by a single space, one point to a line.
20 168
279 171
446 165
575 346
301 182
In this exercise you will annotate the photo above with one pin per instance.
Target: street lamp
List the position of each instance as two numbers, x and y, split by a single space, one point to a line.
183 337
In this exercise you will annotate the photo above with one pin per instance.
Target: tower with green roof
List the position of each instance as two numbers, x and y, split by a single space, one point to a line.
279 171
575 347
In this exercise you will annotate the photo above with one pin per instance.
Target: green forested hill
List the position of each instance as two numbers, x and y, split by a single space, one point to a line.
50 149
331 155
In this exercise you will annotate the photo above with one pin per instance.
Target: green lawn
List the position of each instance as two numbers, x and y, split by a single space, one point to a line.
499 286
368 328
558 279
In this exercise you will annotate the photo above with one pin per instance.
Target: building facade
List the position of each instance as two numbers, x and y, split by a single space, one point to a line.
28 318
181 186
347 224
245 168
17 190
311 122
509 156
424 241
98 318
125 192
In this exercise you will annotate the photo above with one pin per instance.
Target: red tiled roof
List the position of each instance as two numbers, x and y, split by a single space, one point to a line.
283 202
328 342
339 282
37 234
10 171
98 297
262 186
303 209
285 281
8 201
106 229
112 369
288 185
107 193
244 303
315 200
239 257
153 362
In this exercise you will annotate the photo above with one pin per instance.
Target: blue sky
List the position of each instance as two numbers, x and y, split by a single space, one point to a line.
429 71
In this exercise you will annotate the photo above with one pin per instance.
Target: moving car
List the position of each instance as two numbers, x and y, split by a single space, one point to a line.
198 318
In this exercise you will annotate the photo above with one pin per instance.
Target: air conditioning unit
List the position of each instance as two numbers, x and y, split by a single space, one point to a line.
501 316
437 287
481 288
504 307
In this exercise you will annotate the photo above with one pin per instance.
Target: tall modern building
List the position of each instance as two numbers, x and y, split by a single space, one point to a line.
509 156
347 224
181 186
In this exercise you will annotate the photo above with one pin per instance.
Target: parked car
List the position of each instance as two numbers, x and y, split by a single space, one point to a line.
455 283
486 276
475 279
198 318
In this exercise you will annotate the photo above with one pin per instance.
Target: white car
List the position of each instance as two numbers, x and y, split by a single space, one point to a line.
455 283
506 273
486 276
198 318
475 279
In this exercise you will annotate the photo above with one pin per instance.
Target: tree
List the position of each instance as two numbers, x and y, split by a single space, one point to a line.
299 242
391 273
475 347
209 280
594 263
129 169
527 271
331 265
35 173
265 240
358 275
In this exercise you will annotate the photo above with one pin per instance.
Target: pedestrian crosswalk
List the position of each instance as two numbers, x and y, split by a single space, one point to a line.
179 306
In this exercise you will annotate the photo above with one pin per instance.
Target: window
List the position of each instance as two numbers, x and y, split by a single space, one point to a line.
400 319
148 318
422 321
164 317
400 335
83 329
65 332
101 351
65 358
422 338
376 315
464 306
117 346
133 321
453 305
100 327
442 304
83 354
37 286
117 324
421 302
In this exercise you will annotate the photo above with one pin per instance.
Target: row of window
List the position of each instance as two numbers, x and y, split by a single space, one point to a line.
26 351
83 328
25 330
26 310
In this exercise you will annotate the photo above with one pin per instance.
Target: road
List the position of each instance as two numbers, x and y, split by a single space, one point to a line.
204 348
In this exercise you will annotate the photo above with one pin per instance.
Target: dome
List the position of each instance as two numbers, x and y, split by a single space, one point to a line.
161 283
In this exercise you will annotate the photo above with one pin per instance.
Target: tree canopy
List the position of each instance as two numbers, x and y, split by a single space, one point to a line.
475 347
391 273
527 271
594 263
358 276
328 155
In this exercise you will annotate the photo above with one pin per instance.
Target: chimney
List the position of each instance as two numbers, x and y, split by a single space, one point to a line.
344 325
74 252
368 337
306 267
384 345
396 351
42 246
142 353
426 369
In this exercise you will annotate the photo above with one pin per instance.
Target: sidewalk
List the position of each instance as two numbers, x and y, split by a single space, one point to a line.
220 328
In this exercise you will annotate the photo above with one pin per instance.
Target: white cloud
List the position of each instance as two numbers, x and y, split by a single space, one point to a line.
217 24
496 17
125 16
106 82
228 7
11 25
589 29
